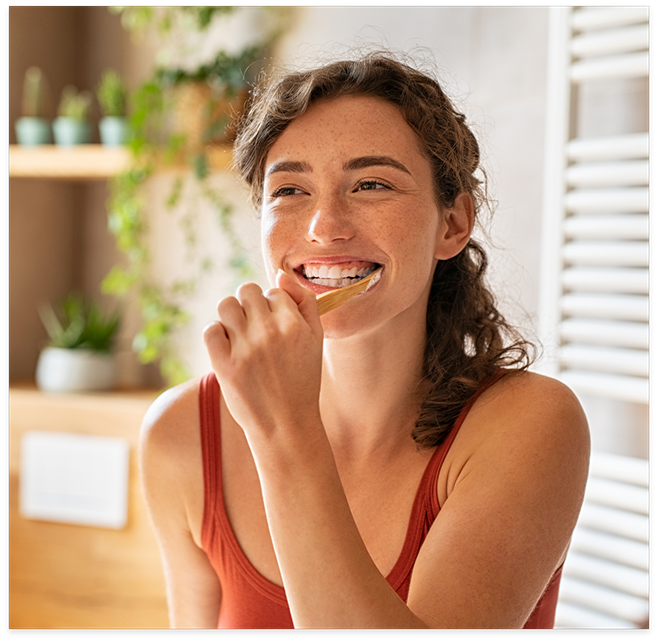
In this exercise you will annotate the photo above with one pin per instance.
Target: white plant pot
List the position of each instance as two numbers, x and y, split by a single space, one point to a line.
75 370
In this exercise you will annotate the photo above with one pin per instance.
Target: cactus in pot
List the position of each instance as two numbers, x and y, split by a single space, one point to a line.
33 128
71 127
112 97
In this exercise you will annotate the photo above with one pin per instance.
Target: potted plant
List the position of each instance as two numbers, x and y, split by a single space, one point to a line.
111 94
79 356
71 127
33 128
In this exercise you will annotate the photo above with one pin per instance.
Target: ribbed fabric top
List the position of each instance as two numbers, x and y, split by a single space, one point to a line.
249 600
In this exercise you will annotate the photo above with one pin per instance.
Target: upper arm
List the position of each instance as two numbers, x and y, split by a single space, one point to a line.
514 497
171 476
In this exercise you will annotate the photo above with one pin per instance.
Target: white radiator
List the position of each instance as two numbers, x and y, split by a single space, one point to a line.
605 580
594 307
594 295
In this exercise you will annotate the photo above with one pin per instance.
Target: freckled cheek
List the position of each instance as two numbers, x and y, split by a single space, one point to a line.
276 235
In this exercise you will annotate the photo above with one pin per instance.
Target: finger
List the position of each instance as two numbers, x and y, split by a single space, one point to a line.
254 303
217 344
279 300
232 316
304 299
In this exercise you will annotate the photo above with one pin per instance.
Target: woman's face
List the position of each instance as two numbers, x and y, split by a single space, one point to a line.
347 188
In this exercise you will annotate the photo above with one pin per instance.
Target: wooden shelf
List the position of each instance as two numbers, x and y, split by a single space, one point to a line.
85 162
29 387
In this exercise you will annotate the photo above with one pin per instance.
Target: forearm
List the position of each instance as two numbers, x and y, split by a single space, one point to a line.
330 579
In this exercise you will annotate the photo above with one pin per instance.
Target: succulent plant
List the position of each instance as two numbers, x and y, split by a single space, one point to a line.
33 93
74 104
111 94
79 323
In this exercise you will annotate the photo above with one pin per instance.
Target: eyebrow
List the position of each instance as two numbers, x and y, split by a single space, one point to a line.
372 161
294 166
362 162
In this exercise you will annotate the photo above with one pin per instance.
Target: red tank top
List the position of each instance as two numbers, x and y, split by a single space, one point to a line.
249 600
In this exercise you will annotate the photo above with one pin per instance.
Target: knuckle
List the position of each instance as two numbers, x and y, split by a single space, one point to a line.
226 304
248 289
210 332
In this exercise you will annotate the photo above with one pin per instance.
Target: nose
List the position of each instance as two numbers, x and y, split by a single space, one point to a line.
330 222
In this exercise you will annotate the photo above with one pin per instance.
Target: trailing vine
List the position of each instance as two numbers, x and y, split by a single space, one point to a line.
154 145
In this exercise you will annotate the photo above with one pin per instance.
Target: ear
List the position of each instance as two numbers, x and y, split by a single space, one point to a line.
455 228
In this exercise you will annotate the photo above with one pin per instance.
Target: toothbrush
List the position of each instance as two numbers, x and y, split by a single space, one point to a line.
336 297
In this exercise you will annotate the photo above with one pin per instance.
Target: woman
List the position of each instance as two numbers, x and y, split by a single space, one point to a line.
392 464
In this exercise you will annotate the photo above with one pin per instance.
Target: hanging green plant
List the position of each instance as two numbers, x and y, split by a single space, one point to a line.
163 134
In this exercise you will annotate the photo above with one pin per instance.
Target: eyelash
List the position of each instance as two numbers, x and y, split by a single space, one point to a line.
372 182
278 193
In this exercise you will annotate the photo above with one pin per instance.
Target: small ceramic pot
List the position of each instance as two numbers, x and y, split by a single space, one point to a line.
113 131
32 131
70 131
75 370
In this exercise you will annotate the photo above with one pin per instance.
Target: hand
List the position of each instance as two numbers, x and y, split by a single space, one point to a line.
266 351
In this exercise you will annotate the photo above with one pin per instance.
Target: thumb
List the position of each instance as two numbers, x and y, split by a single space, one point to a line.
303 298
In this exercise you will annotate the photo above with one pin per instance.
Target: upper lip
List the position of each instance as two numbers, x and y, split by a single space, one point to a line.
333 260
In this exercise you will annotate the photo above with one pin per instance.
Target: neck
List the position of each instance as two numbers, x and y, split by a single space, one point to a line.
371 389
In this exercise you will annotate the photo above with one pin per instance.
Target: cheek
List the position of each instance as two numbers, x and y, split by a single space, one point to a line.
275 236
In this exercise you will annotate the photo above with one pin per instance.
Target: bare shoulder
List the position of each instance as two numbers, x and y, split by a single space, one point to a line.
510 491
530 425
171 473
170 458
172 419
531 403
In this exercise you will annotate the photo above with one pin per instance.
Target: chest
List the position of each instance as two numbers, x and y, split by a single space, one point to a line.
381 499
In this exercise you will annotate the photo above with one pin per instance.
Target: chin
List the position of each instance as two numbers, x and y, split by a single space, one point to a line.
344 323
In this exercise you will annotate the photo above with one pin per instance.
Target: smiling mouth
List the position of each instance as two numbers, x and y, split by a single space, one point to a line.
336 276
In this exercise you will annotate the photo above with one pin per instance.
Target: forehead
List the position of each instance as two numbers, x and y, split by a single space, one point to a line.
366 124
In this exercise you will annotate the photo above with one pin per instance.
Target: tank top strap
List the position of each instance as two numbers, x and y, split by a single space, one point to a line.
211 451
425 507
430 500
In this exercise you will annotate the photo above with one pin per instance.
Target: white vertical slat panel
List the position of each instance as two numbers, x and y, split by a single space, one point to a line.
607 227
605 580
619 40
623 199
630 65
558 136
605 332
591 19
622 253
610 148
595 277
591 600
605 306
630 172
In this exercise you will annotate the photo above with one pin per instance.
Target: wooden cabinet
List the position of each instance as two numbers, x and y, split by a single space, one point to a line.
72 576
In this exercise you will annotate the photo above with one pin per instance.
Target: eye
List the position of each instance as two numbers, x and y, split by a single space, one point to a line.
286 191
370 185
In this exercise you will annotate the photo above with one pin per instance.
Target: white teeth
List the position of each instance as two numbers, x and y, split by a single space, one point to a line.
334 276
323 271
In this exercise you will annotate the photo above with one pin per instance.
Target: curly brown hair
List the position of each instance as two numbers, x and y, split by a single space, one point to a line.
468 340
